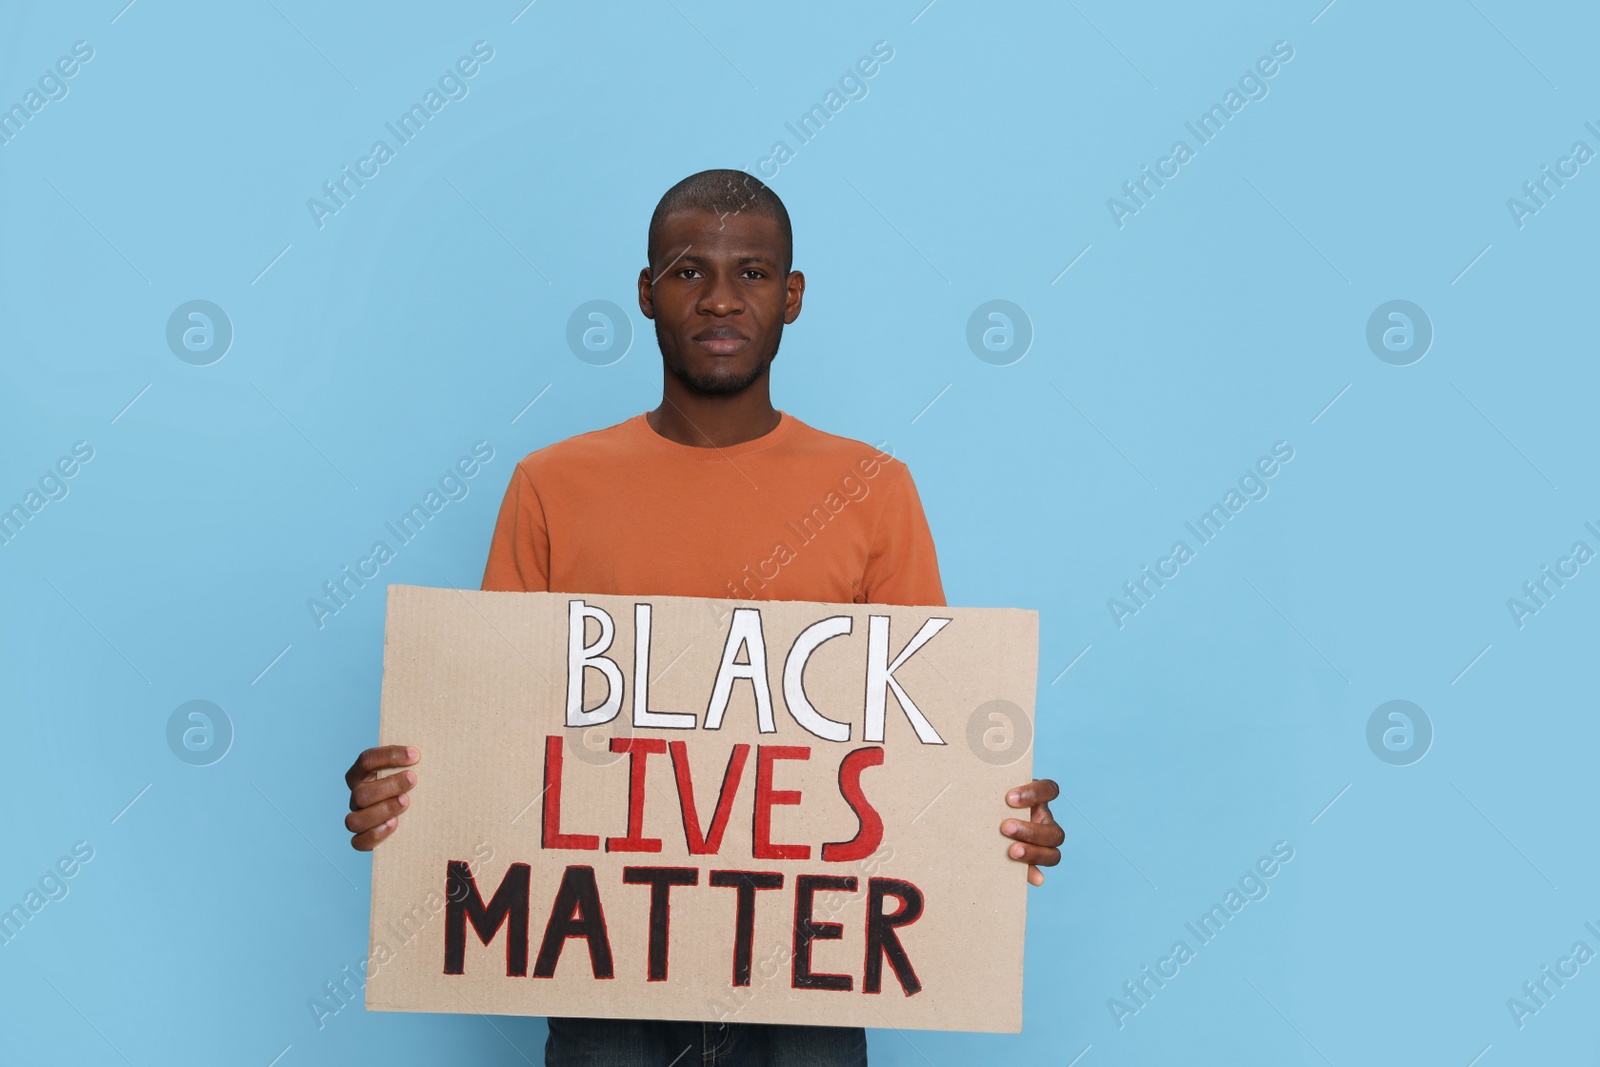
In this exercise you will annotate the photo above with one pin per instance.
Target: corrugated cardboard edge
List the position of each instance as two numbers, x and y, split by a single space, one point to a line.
393 595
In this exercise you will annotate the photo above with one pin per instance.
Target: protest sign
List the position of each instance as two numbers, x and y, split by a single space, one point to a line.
713 810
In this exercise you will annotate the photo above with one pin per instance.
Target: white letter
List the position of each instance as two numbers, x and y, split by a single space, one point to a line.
580 656
642 715
794 669
880 677
745 630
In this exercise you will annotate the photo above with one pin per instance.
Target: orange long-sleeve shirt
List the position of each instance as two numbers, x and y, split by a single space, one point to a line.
796 514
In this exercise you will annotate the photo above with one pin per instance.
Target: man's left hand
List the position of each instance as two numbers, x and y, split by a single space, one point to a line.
1038 839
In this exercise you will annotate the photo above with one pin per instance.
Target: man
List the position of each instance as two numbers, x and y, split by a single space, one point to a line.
715 493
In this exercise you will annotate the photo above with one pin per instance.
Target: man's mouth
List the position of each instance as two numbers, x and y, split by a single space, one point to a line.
721 341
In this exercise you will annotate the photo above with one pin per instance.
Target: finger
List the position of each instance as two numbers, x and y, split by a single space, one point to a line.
366 794
1041 814
1038 791
377 759
380 758
1047 834
367 841
365 819
1035 876
1038 855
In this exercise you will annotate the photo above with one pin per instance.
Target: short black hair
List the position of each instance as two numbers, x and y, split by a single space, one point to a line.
724 192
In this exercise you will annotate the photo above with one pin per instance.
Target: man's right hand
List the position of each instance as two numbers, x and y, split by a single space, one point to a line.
376 802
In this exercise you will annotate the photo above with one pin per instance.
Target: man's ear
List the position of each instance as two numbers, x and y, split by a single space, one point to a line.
647 297
794 292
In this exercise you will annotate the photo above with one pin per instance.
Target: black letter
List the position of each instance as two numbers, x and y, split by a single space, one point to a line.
883 941
576 913
464 903
744 922
806 931
660 880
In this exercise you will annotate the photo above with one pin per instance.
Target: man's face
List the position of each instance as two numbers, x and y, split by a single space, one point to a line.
719 298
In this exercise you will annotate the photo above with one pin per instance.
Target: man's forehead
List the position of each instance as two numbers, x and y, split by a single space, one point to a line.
712 231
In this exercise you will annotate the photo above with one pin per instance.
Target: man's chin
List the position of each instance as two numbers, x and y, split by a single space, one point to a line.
717 378
718 382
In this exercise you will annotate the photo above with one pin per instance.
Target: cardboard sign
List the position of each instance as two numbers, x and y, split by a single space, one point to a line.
711 810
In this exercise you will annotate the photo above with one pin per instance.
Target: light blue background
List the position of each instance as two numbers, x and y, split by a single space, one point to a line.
1223 317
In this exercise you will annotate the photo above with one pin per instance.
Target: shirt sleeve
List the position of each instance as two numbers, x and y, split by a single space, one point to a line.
902 566
519 553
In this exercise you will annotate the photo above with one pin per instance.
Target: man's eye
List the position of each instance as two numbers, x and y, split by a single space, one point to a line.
686 271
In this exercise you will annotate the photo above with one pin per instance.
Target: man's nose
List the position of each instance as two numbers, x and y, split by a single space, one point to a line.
721 297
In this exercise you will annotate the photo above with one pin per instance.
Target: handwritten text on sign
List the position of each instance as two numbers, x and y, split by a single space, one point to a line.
702 809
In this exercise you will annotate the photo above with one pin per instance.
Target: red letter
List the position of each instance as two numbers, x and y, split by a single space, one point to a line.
865 843
639 750
709 843
552 836
761 845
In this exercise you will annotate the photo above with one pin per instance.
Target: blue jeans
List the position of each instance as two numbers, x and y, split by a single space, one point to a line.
641 1043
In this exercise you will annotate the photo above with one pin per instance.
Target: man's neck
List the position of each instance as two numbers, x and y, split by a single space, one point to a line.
714 421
